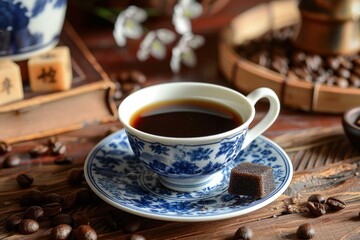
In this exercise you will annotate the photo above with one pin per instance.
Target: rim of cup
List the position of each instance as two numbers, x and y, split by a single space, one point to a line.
125 117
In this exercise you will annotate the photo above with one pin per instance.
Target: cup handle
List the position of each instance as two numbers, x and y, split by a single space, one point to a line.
270 116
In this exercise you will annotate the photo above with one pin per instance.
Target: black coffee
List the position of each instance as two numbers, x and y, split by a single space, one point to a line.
185 118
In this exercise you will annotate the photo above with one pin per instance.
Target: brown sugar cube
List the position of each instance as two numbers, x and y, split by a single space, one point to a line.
11 88
251 179
51 71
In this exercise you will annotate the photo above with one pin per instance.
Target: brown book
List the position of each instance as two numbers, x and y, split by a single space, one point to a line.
89 101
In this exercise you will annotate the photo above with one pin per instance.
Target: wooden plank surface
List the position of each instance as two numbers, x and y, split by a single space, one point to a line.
325 163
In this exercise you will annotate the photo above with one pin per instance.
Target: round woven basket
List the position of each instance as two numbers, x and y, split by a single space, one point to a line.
247 76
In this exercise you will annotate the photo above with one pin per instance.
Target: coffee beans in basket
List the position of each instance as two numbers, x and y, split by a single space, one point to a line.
251 179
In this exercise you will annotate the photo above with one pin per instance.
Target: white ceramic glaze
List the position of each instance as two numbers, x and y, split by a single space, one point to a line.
189 164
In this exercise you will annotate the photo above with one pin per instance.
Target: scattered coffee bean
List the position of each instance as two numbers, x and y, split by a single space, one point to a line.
305 231
28 226
136 237
243 233
316 209
12 222
24 180
61 232
63 160
317 198
39 150
52 209
58 148
33 212
335 204
4 148
69 201
11 161
75 176
63 218
53 198
85 232
32 198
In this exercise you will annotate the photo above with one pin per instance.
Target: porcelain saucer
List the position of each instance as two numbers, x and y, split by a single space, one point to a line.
116 176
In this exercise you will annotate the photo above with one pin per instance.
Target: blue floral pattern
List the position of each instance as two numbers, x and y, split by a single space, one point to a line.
187 160
16 35
114 173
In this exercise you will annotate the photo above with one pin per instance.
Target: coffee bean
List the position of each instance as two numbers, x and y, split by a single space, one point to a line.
318 198
61 232
335 204
316 209
344 73
333 63
51 141
12 222
52 209
24 180
4 147
53 198
58 148
33 197
342 82
354 81
85 232
39 150
298 57
136 237
69 201
305 231
11 161
75 176
63 218
137 76
243 233
63 160
33 212
28 226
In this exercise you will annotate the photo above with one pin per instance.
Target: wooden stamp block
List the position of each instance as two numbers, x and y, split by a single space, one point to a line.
11 88
51 71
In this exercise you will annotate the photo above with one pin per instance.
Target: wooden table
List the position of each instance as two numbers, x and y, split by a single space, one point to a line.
324 161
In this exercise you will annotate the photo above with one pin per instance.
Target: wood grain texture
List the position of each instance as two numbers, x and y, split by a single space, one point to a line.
325 163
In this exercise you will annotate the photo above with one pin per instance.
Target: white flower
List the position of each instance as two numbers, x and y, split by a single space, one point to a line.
184 11
127 25
154 44
184 53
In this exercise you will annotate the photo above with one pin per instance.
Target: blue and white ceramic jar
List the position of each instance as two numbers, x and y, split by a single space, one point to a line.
29 27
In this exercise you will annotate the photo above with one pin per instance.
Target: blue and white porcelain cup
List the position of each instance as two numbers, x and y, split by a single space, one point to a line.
191 164
29 27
